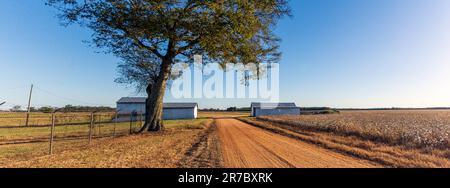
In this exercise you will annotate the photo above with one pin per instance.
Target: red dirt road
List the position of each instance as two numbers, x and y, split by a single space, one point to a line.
245 146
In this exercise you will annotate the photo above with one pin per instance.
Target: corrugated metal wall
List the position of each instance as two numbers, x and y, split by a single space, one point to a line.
179 113
168 114
129 108
274 112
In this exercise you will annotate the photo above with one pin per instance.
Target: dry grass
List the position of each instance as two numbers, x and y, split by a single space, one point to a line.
14 135
39 119
164 149
205 152
36 134
184 143
386 155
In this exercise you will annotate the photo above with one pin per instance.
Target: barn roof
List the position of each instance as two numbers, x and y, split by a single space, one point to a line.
273 105
132 100
180 105
140 100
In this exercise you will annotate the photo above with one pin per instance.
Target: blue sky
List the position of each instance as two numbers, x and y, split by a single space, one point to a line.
337 53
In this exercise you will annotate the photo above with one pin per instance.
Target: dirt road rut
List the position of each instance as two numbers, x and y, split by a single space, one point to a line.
245 146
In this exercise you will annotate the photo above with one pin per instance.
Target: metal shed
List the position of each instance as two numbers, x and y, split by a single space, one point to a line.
171 111
271 109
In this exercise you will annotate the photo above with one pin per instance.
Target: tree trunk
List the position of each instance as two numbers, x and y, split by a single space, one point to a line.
154 102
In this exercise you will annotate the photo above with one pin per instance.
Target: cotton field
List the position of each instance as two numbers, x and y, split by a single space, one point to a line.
426 129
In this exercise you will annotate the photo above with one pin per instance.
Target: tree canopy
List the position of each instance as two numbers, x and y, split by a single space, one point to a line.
142 32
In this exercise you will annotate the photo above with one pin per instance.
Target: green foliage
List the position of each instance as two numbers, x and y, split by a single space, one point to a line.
70 108
236 109
16 108
46 109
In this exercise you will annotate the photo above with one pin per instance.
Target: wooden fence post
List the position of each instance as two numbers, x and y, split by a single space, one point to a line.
99 120
115 124
90 127
131 122
142 119
52 134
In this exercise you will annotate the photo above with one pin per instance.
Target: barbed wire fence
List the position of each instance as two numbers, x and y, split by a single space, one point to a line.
59 127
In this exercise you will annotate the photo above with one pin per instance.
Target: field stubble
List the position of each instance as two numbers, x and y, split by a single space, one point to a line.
415 129
395 138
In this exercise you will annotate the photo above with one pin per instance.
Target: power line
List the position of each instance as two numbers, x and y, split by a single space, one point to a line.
14 88
29 107
67 98
7 105
12 104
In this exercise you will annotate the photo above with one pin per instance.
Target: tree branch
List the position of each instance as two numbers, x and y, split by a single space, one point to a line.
188 46
140 43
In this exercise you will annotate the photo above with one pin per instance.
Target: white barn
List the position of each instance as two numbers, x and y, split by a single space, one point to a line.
273 109
171 111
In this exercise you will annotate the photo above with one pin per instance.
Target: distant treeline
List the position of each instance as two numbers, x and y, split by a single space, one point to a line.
67 108
315 108
70 108
247 109
318 110
211 110
236 109
394 108
231 109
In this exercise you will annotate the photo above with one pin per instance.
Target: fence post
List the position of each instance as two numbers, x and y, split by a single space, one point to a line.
90 127
142 119
99 120
131 122
115 124
52 133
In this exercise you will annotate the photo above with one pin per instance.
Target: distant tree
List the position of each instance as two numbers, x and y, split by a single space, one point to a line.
46 109
150 36
244 109
211 109
71 108
16 108
232 109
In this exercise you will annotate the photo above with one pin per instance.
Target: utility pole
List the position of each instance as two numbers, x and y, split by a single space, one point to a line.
52 133
91 126
29 107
